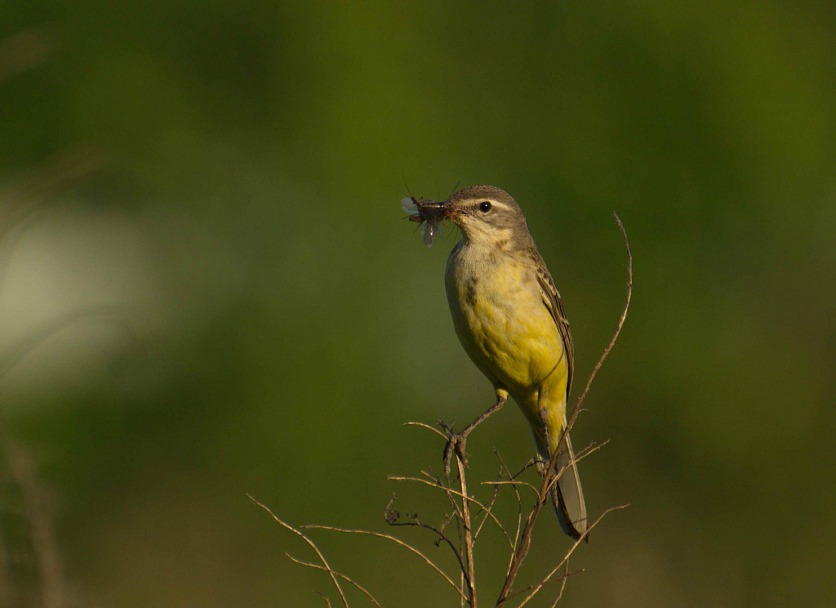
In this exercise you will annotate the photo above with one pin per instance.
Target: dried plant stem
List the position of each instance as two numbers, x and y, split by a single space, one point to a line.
398 542
428 427
512 483
488 515
547 579
504 469
521 553
350 581
311 544
467 536
461 496
457 442
618 328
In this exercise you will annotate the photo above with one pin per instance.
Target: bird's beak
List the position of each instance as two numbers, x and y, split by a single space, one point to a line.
445 210
449 212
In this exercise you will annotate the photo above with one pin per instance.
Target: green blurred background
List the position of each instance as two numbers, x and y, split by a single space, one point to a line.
208 288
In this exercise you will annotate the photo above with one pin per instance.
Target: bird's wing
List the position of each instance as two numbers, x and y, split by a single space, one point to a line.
551 298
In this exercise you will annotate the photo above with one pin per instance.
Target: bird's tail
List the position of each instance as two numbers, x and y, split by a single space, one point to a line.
567 496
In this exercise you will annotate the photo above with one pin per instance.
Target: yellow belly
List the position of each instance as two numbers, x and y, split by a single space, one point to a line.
506 329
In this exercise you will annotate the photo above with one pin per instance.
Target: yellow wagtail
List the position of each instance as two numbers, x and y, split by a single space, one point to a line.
509 318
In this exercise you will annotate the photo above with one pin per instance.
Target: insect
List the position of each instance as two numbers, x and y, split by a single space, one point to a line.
427 213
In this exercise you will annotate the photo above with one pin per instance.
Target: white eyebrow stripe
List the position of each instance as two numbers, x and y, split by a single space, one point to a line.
475 202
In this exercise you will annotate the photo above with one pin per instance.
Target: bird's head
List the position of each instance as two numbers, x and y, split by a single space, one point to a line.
487 216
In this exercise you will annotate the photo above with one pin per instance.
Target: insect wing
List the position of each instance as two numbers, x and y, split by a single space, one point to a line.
430 230
408 205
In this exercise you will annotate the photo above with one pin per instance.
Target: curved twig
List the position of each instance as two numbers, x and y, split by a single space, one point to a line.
467 530
621 320
428 427
545 580
451 491
393 539
331 572
348 580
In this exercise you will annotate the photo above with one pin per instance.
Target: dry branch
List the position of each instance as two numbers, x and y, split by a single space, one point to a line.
350 581
395 540
331 572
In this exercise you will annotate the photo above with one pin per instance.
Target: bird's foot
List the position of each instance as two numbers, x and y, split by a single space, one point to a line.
455 445
541 464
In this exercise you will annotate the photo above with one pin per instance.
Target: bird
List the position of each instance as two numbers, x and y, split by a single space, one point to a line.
510 319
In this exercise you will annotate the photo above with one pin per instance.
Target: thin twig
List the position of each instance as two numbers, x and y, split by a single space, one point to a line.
324 599
563 580
545 580
515 483
443 488
489 515
562 577
457 512
457 442
417 523
468 533
393 539
621 319
352 582
522 550
586 452
311 544
590 449
428 427
519 508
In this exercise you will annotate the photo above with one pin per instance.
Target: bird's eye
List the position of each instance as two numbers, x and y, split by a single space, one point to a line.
484 206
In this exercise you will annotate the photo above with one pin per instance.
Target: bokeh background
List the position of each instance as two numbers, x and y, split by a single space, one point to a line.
208 288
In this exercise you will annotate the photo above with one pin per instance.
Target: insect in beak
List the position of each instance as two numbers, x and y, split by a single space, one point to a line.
428 214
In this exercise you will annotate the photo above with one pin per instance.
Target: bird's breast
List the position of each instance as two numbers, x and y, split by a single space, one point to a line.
500 318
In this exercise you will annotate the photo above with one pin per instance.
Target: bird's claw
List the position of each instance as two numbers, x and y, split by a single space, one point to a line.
455 445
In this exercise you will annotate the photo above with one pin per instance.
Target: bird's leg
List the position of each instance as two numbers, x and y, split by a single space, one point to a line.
543 461
456 441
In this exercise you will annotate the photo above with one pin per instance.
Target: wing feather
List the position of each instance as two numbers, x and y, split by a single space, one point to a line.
551 298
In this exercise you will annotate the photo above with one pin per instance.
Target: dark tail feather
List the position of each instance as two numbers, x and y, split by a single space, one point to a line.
567 498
